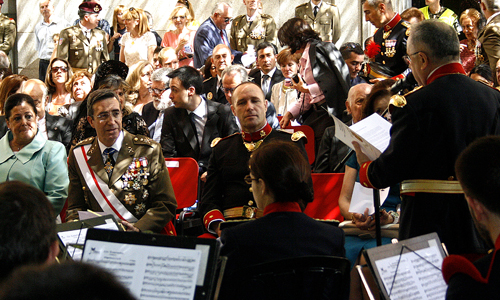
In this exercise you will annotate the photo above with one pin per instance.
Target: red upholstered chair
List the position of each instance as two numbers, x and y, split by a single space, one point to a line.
307 130
327 188
183 173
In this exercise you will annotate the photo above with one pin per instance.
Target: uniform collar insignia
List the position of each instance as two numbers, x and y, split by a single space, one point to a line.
258 135
392 22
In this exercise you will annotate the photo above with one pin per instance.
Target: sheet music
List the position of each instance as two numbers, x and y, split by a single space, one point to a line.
362 198
416 278
150 272
372 134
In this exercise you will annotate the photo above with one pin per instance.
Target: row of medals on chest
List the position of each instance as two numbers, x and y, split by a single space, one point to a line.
134 178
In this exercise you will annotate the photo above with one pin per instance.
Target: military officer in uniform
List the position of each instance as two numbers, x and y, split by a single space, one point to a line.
226 194
119 173
389 40
252 28
84 46
323 17
7 32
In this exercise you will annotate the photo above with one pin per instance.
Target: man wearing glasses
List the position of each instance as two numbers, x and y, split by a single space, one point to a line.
429 130
119 173
190 126
212 32
84 45
153 112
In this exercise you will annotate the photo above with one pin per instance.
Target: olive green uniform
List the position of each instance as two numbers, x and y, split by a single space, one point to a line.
7 33
243 33
79 51
326 22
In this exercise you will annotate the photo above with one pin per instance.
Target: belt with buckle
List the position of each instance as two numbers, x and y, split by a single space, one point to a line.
431 186
246 212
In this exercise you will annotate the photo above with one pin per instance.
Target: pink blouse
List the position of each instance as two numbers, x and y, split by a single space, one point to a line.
468 57
171 39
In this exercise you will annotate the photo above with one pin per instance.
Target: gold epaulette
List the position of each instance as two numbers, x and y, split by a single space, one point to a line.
142 140
303 4
297 135
207 79
266 16
407 25
400 101
85 141
218 139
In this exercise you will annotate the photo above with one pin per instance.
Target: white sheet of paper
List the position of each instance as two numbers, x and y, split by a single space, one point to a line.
371 133
150 272
415 278
362 198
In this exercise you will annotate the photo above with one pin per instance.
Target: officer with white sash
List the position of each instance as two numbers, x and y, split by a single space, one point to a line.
118 173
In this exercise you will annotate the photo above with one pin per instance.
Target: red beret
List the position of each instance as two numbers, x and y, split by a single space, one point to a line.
1 2
90 7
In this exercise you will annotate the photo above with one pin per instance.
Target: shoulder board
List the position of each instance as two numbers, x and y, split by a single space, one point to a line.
328 3
406 24
86 141
142 140
303 4
413 91
207 79
266 16
218 139
398 101
297 135
239 17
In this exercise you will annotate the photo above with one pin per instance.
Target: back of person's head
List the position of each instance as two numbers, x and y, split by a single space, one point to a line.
412 13
233 69
296 33
27 226
162 75
478 170
437 39
265 45
484 71
379 89
284 170
77 281
347 48
189 77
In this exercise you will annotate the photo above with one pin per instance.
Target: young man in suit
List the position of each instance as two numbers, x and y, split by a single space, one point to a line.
267 75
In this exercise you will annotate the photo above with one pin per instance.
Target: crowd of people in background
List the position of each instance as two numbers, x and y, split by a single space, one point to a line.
114 99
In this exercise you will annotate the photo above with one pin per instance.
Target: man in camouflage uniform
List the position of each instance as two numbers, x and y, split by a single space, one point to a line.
7 32
323 17
252 28
84 46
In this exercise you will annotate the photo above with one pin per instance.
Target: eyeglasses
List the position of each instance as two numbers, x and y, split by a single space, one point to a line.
407 57
178 17
105 115
248 179
228 90
56 69
131 9
228 20
157 91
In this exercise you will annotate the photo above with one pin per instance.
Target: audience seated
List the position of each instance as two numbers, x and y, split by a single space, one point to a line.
168 58
139 79
27 228
181 39
267 75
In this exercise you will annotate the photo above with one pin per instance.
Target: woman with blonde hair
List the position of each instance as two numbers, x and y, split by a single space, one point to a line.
59 73
181 38
118 30
193 24
139 42
139 79
471 53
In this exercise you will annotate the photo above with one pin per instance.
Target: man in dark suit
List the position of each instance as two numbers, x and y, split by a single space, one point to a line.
449 112
212 87
55 128
190 126
489 35
267 75
153 112
212 32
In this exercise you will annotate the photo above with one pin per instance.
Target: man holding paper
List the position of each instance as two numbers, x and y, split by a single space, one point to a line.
118 173
437 122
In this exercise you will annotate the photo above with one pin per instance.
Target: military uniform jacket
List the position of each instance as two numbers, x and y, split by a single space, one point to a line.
178 137
228 165
80 52
392 40
427 135
211 92
261 29
7 33
153 203
326 22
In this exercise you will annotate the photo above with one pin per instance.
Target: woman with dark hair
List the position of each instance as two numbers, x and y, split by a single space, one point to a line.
209 70
26 155
482 73
59 73
324 78
280 179
378 99
9 86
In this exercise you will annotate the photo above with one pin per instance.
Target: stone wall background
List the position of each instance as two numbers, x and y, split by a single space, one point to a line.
27 14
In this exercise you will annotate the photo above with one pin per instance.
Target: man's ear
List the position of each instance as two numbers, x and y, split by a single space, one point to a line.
476 208
53 252
191 91
91 121
232 109
232 58
266 103
347 107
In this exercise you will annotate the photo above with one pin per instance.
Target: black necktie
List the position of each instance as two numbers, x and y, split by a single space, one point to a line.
315 11
109 165
193 124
